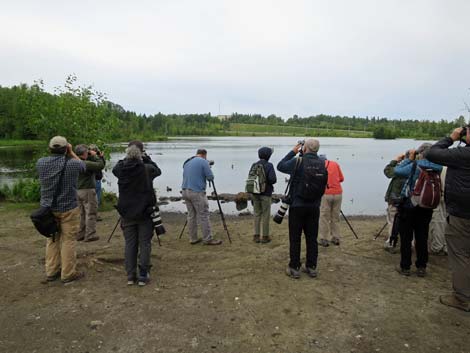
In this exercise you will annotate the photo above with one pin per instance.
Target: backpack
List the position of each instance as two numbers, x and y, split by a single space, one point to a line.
256 181
312 184
427 190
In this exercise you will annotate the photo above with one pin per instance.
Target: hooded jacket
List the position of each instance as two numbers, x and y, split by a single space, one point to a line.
457 181
264 153
135 182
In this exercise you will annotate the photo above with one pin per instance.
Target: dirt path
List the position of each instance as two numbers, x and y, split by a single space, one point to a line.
232 298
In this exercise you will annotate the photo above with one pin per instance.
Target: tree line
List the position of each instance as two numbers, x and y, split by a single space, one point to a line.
84 115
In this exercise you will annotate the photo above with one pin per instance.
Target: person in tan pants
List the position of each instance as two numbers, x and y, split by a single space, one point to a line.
58 175
330 207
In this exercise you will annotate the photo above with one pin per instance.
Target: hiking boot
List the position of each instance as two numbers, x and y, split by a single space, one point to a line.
81 239
265 239
335 241
54 277
421 271
292 272
391 250
213 242
441 252
144 278
94 238
403 271
195 241
256 238
310 271
75 277
453 301
324 242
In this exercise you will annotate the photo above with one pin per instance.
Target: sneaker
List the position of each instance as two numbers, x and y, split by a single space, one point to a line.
144 279
403 271
213 242
54 277
130 282
311 271
421 271
194 242
292 272
94 238
265 239
324 242
75 277
99 219
453 301
335 241
256 238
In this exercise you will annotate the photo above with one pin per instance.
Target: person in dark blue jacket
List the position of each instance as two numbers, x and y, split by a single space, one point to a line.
303 214
262 202
414 220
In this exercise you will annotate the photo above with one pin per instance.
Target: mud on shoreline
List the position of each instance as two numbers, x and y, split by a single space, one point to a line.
230 298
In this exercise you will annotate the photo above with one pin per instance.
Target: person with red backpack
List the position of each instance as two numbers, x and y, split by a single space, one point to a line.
415 211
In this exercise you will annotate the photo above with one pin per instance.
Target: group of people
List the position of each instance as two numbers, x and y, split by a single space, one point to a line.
447 223
313 197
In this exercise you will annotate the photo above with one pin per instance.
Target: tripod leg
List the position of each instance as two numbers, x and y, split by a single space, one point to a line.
112 233
349 224
184 227
380 231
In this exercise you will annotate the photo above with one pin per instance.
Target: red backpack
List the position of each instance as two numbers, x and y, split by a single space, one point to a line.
427 190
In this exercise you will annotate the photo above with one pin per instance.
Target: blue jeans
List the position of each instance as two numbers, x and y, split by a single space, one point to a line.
98 191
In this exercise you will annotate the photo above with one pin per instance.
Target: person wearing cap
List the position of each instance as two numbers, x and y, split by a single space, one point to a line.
457 199
262 202
87 200
135 174
60 194
98 177
196 173
414 221
330 206
303 213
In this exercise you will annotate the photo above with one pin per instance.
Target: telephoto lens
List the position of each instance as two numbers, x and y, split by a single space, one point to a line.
157 220
279 216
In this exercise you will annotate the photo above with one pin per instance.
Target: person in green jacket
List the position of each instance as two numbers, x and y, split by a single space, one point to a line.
392 197
86 193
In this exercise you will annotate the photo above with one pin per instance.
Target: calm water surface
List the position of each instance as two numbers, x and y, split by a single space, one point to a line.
362 162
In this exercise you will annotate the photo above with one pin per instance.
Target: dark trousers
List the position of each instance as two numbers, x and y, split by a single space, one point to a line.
306 219
414 221
138 236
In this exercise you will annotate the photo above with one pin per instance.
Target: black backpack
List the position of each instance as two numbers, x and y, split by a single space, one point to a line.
312 184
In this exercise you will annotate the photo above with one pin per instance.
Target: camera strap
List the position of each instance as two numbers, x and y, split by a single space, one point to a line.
298 162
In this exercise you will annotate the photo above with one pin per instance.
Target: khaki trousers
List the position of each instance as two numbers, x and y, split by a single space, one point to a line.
437 239
458 245
330 209
88 204
198 212
262 209
60 253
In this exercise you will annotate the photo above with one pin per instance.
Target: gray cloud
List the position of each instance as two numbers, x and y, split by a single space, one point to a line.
402 59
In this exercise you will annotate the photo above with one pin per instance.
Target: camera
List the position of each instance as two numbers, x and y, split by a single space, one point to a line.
279 216
154 213
301 142
463 133
211 162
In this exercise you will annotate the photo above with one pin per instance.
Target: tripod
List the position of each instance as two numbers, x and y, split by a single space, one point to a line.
349 224
119 221
220 211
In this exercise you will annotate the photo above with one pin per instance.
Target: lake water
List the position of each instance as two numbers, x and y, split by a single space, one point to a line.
362 162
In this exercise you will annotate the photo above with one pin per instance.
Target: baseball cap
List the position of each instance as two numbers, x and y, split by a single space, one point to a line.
57 142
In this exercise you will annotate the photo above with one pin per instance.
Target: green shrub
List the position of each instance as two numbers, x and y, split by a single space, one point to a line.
23 190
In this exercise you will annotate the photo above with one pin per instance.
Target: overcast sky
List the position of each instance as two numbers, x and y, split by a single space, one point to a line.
390 58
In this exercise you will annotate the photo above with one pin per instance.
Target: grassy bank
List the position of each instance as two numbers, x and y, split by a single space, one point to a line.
18 143
283 130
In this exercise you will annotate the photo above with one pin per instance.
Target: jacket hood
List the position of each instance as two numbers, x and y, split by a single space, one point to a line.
130 169
265 153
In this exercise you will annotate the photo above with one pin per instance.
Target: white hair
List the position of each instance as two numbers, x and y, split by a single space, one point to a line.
312 145
133 152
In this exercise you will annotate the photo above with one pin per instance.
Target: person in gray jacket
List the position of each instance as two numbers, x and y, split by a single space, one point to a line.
457 198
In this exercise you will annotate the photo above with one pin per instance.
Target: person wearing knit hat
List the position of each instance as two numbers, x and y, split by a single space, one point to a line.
262 201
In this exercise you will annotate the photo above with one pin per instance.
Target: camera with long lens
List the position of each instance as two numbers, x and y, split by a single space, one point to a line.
154 213
281 212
